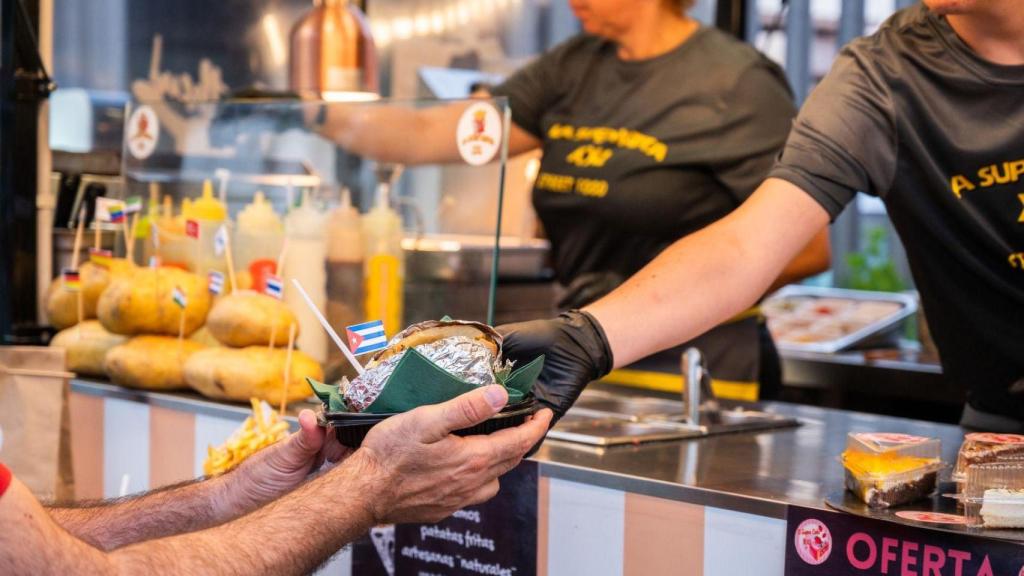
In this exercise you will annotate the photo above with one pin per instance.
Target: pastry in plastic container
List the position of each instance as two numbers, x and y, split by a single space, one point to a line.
993 495
984 447
886 470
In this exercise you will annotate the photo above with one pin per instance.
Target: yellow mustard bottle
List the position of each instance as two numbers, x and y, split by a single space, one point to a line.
384 263
210 214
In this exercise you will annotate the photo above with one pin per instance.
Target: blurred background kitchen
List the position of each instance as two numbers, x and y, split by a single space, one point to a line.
103 54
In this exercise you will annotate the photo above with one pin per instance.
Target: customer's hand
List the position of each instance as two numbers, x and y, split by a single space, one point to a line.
422 473
278 469
575 349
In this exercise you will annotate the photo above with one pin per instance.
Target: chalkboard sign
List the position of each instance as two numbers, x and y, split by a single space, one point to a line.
497 538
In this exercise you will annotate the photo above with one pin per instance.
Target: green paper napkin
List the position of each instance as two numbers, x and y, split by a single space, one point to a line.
329 395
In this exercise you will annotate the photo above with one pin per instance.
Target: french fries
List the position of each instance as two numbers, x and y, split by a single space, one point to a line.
260 430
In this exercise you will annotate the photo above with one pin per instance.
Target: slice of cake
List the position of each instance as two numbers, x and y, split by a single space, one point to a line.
984 447
886 470
1002 508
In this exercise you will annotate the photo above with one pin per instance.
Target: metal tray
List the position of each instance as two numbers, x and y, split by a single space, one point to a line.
616 431
870 332
466 258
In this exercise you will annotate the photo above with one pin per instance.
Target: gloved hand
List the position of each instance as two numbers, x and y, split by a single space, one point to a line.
576 351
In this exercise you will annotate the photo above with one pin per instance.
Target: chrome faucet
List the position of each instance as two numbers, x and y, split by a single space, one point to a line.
697 390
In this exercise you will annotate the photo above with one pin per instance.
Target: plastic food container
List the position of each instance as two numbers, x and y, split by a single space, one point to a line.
351 428
886 470
993 495
985 447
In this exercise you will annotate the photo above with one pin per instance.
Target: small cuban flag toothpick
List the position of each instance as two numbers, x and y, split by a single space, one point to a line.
275 287
366 337
72 281
216 282
154 262
178 295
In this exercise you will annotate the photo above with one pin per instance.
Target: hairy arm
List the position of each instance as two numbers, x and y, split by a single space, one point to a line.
405 135
185 507
276 539
708 277
195 505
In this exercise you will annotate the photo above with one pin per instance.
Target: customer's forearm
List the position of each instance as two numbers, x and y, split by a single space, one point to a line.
186 507
292 535
707 277
275 539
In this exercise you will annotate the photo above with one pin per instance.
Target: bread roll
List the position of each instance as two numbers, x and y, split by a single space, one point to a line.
434 330
254 372
140 303
151 362
87 346
248 318
62 306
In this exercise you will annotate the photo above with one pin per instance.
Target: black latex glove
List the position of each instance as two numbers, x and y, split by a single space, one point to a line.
576 352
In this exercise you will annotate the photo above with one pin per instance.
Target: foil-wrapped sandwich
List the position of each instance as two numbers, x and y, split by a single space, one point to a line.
468 350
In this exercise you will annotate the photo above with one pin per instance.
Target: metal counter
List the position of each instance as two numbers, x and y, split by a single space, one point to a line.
756 473
759 473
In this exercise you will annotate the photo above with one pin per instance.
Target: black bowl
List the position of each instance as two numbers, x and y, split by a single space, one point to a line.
351 428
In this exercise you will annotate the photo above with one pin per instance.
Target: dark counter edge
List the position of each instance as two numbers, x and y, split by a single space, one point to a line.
185 401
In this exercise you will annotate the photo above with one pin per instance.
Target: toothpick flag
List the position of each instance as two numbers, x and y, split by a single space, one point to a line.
366 337
220 241
133 205
216 282
275 287
178 295
72 281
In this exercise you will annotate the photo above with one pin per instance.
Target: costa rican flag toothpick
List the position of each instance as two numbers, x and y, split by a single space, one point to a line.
366 337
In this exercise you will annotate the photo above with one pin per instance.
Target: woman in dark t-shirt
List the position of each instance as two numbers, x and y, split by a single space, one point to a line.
652 127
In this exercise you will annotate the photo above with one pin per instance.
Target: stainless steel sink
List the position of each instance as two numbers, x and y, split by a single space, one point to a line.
634 408
606 419
611 431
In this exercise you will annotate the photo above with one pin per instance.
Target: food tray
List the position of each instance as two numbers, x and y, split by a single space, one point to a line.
873 332
352 428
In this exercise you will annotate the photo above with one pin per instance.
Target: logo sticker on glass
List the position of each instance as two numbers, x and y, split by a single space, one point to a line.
143 132
479 133
813 542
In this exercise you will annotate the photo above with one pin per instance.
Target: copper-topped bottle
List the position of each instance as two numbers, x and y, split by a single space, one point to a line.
332 52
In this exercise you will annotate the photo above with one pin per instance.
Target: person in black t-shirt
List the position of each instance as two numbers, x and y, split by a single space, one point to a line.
928 114
652 127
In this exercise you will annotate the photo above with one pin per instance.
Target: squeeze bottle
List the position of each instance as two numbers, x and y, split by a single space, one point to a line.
306 261
384 267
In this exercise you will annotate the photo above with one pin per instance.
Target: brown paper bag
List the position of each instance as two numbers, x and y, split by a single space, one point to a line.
35 433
